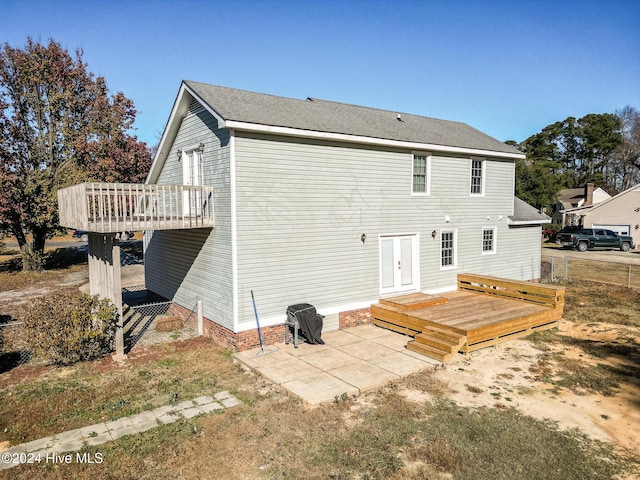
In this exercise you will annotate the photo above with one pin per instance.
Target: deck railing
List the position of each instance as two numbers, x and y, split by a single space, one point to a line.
118 207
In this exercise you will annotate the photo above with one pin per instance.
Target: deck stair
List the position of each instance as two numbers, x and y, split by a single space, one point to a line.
437 343
414 301
399 313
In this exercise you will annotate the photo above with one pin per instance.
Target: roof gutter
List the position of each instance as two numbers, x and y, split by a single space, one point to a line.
529 222
342 137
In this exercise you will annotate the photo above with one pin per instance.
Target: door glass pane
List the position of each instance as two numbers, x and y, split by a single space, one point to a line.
387 263
406 259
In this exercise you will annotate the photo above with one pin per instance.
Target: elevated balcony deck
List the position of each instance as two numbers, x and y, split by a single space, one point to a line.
119 207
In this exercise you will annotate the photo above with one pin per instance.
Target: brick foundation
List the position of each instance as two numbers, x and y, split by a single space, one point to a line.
354 318
226 338
250 339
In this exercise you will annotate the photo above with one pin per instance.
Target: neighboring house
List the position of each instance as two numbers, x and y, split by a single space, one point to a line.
620 213
330 204
572 202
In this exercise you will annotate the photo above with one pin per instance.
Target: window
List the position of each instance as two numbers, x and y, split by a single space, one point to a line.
488 240
477 176
421 173
447 249
192 176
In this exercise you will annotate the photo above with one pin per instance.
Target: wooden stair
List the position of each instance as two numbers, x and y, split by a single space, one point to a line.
414 301
437 343
399 314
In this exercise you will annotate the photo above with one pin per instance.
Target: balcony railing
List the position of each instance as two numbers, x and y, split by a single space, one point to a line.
118 207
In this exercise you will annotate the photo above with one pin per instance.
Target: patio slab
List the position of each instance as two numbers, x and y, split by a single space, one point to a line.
322 387
364 375
286 370
350 362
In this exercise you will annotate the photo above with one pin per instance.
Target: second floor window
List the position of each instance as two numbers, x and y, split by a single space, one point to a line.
421 167
477 177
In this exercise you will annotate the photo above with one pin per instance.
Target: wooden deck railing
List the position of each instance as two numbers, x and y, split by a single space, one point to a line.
118 207
549 295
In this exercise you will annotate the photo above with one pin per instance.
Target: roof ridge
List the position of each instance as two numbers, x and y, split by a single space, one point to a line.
245 91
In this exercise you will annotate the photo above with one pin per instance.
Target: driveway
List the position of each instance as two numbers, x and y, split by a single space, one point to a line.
628 258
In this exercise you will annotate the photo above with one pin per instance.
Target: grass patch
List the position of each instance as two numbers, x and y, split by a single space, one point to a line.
587 302
14 281
580 376
504 444
93 392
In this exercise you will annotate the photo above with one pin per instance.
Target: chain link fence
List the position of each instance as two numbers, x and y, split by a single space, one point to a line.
141 317
150 322
13 350
614 273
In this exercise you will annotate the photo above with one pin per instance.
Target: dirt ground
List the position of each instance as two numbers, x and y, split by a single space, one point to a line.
502 376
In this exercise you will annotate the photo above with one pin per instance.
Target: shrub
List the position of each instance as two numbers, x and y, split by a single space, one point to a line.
68 327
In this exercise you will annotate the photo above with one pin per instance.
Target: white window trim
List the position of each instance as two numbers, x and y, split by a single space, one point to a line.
427 186
483 166
494 244
455 249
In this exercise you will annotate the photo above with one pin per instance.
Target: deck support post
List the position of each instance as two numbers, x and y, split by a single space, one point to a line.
104 278
200 318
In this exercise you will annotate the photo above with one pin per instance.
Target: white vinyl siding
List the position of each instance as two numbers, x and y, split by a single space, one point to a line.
489 240
477 176
181 265
421 174
301 207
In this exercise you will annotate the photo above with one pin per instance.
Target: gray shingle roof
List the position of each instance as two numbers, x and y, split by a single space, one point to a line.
524 213
334 117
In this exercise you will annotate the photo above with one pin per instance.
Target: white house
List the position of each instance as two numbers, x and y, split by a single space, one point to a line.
620 213
572 203
330 204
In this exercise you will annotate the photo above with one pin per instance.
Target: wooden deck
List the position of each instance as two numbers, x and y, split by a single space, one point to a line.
118 207
483 311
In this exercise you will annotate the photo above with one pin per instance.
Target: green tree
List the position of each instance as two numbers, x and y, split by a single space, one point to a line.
600 135
571 153
625 161
58 126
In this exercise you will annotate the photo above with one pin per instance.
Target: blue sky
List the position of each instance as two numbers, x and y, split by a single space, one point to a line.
508 68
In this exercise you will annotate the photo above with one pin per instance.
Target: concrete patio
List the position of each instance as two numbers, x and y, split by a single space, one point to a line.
350 362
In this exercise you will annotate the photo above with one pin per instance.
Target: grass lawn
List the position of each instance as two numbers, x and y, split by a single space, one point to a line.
381 434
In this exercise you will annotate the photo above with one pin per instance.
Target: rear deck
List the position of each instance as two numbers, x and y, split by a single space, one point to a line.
483 311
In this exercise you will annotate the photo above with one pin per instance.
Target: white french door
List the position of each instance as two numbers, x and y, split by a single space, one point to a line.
399 265
192 176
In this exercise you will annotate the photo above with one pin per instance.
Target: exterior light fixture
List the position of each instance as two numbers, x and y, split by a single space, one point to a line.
179 153
433 234
363 237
